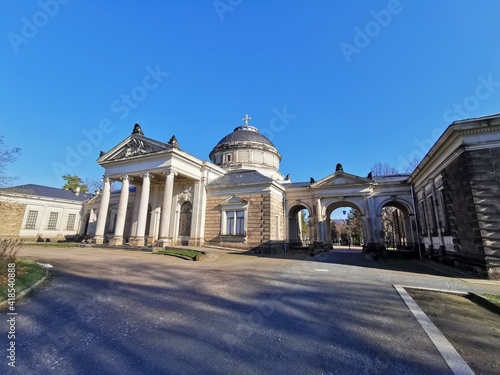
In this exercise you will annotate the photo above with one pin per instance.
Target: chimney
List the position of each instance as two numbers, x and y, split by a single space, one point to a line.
77 191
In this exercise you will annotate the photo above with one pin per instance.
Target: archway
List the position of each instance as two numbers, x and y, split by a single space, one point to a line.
396 224
345 223
299 227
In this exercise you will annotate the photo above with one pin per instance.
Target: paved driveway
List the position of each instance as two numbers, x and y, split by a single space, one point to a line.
127 312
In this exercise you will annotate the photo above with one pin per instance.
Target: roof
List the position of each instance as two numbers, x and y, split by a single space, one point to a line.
241 177
245 134
48 192
296 184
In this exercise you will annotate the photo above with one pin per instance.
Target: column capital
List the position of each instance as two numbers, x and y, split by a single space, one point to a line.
170 171
147 175
105 179
126 177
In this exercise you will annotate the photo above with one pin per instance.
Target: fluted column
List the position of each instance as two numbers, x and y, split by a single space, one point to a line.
122 212
143 210
166 210
103 211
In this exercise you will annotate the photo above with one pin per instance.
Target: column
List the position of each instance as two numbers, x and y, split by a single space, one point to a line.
103 211
122 212
198 217
166 210
143 210
135 210
319 215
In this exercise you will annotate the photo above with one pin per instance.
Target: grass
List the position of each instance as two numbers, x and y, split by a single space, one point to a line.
491 297
27 273
188 253
53 244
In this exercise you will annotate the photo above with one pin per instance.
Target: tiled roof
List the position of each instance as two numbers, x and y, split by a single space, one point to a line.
48 192
241 178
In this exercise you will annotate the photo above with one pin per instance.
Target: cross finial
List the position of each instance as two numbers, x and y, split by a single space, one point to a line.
246 119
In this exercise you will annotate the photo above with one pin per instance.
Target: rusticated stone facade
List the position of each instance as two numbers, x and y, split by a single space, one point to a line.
457 190
263 222
471 185
12 217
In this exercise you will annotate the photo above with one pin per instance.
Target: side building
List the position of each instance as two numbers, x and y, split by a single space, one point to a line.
457 195
42 213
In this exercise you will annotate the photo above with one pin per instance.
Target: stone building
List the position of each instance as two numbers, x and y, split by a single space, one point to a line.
457 192
42 213
238 199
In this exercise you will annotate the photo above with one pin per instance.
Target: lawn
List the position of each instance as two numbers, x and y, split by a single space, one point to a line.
27 273
183 253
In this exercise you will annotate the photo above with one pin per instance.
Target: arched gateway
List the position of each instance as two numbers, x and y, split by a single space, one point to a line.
341 189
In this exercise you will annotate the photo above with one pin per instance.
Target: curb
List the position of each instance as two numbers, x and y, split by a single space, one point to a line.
27 290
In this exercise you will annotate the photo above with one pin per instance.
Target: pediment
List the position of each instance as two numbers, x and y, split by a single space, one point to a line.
132 146
341 178
234 201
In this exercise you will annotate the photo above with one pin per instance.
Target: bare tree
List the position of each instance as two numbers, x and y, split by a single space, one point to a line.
383 169
7 155
411 167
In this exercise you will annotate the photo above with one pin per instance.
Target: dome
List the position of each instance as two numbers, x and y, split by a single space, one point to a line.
247 149
245 133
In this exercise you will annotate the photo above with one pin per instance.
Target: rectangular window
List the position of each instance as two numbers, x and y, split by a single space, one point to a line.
71 222
240 223
235 223
230 222
52 220
424 218
31 220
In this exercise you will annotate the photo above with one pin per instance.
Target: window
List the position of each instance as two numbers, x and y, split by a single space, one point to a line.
71 222
52 220
235 222
424 218
31 220
227 158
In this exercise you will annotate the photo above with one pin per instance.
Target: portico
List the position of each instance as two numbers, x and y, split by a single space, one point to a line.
162 189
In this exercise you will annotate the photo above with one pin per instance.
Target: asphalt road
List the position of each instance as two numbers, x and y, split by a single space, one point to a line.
128 312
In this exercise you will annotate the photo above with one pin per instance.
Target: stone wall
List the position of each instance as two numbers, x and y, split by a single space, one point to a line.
471 187
259 226
12 215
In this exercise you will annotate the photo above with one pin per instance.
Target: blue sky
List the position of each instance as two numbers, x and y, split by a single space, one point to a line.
354 82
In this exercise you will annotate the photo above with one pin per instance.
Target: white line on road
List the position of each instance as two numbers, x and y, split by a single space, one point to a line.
321 269
450 355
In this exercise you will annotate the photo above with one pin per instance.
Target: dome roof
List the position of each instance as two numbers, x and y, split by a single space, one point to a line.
245 133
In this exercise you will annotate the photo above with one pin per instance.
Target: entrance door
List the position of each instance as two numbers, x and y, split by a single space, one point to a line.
185 219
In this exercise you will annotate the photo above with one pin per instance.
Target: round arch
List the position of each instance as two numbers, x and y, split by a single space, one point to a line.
351 203
296 235
397 222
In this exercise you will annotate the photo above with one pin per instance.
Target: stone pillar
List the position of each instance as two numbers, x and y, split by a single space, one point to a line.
143 211
320 225
122 212
135 210
166 211
198 216
103 212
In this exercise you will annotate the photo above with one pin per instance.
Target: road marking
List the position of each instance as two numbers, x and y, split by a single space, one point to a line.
450 355
321 269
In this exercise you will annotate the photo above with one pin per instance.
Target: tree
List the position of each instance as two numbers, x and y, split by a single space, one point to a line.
7 155
354 225
411 167
383 169
74 182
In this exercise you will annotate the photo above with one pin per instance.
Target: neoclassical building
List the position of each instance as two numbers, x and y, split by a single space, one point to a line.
450 204
238 199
